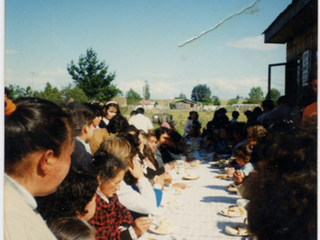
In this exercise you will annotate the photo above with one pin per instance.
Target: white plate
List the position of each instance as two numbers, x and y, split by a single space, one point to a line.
229 230
190 177
153 229
226 213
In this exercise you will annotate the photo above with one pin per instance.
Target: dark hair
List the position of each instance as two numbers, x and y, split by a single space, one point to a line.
133 112
161 130
243 151
117 124
196 123
235 114
71 228
175 136
7 92
82 115
107 165
74 193
140 110
115 105
133 140
267 105
190 113
283 100
36 124
130 128
284 197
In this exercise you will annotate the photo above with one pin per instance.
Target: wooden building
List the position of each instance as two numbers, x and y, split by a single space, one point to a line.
185 104
297 26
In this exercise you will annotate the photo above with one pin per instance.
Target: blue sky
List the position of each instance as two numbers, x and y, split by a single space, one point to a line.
139 40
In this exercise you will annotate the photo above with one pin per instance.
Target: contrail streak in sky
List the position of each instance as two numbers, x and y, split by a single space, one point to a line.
217 25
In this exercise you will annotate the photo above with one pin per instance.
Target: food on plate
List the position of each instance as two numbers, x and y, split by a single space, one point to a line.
163 226
237 230
178 191
233 211
190 177
232 188
224 176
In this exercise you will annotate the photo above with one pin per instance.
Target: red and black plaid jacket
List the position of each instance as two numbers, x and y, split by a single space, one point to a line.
108 217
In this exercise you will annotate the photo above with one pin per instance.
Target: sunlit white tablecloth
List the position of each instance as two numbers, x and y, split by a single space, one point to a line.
199 218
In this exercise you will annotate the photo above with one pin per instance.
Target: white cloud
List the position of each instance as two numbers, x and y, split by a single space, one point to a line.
254 43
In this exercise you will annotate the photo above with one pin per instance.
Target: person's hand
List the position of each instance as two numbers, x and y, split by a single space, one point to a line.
158 180
165 176
230 171
140 225
179 185
238 176
149 164
137 169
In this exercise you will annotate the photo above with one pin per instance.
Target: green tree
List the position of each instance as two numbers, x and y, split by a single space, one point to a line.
16 91
147 92
233 101
181 96
49 93
132 97
255 95
206 101
75 93
216 102
91 76
274 94
199 92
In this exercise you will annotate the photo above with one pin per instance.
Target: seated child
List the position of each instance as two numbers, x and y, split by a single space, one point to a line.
83 117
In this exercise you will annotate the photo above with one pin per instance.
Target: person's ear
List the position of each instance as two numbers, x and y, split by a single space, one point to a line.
99 179
247 159
46 161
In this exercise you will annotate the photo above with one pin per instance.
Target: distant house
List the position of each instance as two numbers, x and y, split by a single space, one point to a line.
146 102
185 104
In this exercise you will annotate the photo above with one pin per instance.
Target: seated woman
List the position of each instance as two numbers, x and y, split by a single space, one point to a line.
136 163
38 145
193 115
72 228
144 201
222 147
194 133
112 220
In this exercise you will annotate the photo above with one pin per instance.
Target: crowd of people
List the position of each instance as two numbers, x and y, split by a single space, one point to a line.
83 171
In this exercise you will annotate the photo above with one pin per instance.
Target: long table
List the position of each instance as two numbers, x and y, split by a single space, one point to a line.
199 217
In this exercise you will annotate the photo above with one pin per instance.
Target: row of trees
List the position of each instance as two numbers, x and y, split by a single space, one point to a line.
202 93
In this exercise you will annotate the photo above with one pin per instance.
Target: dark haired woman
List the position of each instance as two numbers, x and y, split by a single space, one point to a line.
193 115
38 145
112 220
110 109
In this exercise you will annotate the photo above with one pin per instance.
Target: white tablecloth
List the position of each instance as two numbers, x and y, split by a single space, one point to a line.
199 218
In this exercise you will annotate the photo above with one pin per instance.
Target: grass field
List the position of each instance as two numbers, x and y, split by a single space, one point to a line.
182 117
